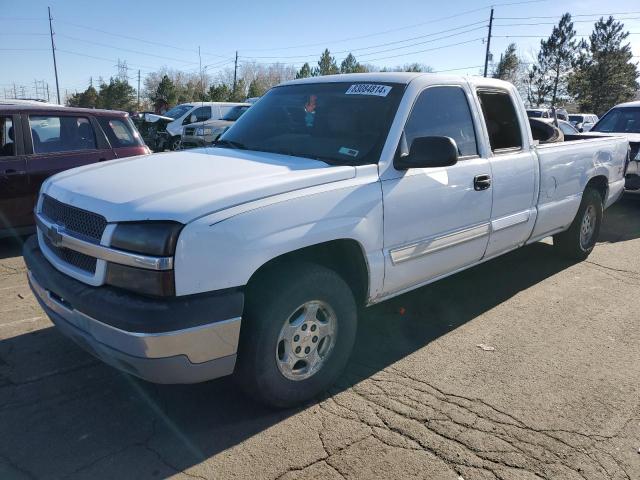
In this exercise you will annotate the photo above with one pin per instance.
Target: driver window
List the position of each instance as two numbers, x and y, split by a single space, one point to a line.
7 146
202 114
443 111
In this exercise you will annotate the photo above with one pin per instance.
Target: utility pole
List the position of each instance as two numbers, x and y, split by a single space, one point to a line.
53 51
235 72
486 56
138 89
201 75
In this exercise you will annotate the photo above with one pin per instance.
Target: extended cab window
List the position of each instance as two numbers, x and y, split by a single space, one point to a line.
61 134
501 120
120 132
7 146
443 112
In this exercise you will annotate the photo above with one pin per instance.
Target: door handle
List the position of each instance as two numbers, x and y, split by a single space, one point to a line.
481 182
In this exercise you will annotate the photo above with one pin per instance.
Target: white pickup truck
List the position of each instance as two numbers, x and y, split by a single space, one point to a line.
331 193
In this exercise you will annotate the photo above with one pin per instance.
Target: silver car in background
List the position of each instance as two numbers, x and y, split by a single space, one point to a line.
583 121
202 134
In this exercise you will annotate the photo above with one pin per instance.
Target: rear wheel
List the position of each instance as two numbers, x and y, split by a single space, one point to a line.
579 240
297 334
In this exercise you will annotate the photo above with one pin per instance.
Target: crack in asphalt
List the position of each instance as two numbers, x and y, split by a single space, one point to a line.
466 433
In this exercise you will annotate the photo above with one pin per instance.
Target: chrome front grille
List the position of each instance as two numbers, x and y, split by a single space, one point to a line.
77 259
73 219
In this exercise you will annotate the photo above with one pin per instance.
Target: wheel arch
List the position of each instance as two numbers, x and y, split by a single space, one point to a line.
601 184
345 256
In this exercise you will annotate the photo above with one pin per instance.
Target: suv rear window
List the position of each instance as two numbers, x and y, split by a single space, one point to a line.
120 131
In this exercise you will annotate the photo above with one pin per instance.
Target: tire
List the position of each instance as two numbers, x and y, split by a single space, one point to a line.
266 368
572 243
174 143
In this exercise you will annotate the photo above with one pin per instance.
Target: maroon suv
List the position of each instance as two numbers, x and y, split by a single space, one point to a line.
37 141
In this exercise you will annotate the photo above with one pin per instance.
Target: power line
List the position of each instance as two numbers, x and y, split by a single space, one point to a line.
389 43
128 37
406 27
100 58
76 39
427 50
555 23
572 16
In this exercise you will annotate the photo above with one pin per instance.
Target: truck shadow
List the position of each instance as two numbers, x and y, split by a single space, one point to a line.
64 412
622 221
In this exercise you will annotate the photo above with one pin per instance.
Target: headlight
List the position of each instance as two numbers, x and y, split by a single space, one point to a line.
147 238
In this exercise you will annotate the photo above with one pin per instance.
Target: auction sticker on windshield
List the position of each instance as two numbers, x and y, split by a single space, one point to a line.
368 89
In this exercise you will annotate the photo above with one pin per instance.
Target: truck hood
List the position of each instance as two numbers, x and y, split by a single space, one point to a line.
185 185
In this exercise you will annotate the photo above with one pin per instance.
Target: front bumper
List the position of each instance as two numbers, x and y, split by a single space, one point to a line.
164 344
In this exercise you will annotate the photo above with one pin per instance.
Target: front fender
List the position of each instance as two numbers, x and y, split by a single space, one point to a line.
213 254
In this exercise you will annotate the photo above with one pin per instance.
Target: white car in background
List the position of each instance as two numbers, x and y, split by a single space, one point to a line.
624 120
185 114
583 121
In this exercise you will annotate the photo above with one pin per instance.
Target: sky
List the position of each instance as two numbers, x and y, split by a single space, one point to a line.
91 37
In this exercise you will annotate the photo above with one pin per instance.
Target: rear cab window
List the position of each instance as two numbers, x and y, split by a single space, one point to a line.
120 132
501 119
54 133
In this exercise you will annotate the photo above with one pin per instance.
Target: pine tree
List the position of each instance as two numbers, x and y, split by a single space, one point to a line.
165 93
351 65
116 95
557 54
507 67
305 71
219 93
604 75
86 99
239 94
327 64
256 89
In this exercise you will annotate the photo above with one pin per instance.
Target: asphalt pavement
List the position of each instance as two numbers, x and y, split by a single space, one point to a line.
525 367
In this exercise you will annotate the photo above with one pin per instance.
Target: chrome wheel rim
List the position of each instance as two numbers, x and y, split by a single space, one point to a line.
588 227
306 340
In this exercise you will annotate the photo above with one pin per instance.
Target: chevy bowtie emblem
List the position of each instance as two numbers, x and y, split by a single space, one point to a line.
54 236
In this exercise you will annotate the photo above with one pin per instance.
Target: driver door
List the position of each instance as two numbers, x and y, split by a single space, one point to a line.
436 220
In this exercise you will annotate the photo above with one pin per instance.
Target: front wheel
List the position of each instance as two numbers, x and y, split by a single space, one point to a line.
579 240
174 143
298 330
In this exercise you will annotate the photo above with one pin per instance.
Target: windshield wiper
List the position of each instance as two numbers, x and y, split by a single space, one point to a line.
229 143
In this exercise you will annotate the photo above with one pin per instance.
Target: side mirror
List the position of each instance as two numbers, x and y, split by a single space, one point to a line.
428 152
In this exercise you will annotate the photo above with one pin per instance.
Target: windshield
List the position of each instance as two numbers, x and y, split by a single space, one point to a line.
178 111
235 113
534 113
622 120
576 118
340 123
